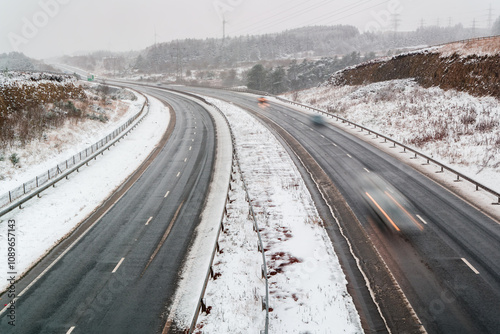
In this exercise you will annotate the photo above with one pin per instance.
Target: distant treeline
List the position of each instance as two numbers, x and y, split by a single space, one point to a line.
320 41
300 75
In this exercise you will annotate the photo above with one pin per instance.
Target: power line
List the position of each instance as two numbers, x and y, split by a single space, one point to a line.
292 15
490 16
345 9
330 14
264 19
396 21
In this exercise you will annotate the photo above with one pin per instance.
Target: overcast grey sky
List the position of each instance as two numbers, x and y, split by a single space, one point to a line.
45 28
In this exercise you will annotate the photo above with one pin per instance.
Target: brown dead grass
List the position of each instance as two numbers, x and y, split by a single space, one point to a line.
476 74
490 46
25 111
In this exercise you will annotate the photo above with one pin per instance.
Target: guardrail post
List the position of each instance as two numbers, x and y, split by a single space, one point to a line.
211 271
203 305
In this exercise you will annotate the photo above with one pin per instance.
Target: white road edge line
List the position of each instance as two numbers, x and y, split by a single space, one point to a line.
190 148
470 266
422 219
70 330
118 265
349 155
63 254
178 174
59 257
149 220
366 170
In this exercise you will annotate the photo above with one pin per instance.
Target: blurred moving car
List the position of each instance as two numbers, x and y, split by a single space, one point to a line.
317 119
393 208
262 102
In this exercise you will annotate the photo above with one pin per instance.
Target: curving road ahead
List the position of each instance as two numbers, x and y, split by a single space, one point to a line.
120 275
450 271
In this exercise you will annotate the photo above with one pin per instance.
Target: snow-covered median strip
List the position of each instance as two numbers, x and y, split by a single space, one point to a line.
307 286
43 222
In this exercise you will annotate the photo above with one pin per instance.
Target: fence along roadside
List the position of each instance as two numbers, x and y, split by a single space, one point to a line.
443 167
19 195
405 148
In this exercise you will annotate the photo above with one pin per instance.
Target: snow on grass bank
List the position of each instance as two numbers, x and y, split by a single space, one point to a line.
306 283
43 222
59 144
456 128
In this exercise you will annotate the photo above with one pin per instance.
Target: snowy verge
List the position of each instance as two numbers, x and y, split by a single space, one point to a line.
307 286
45 221
40 155
409 113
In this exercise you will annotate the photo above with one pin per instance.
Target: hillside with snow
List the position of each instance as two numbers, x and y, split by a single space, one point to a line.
46 118
458 126
470 66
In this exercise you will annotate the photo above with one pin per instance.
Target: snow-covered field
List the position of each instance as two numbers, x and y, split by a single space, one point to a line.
307 286
43 222
456 128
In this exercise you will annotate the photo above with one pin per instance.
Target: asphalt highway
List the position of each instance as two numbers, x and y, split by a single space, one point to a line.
447 264
119 277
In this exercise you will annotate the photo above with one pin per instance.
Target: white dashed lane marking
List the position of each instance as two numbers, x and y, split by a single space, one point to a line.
118 265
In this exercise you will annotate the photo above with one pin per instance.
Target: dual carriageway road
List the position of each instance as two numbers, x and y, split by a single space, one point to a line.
448 269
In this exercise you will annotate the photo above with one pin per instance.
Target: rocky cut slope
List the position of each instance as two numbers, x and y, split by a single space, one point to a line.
471 66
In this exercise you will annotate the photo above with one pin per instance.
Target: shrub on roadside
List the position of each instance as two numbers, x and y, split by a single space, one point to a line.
14 158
